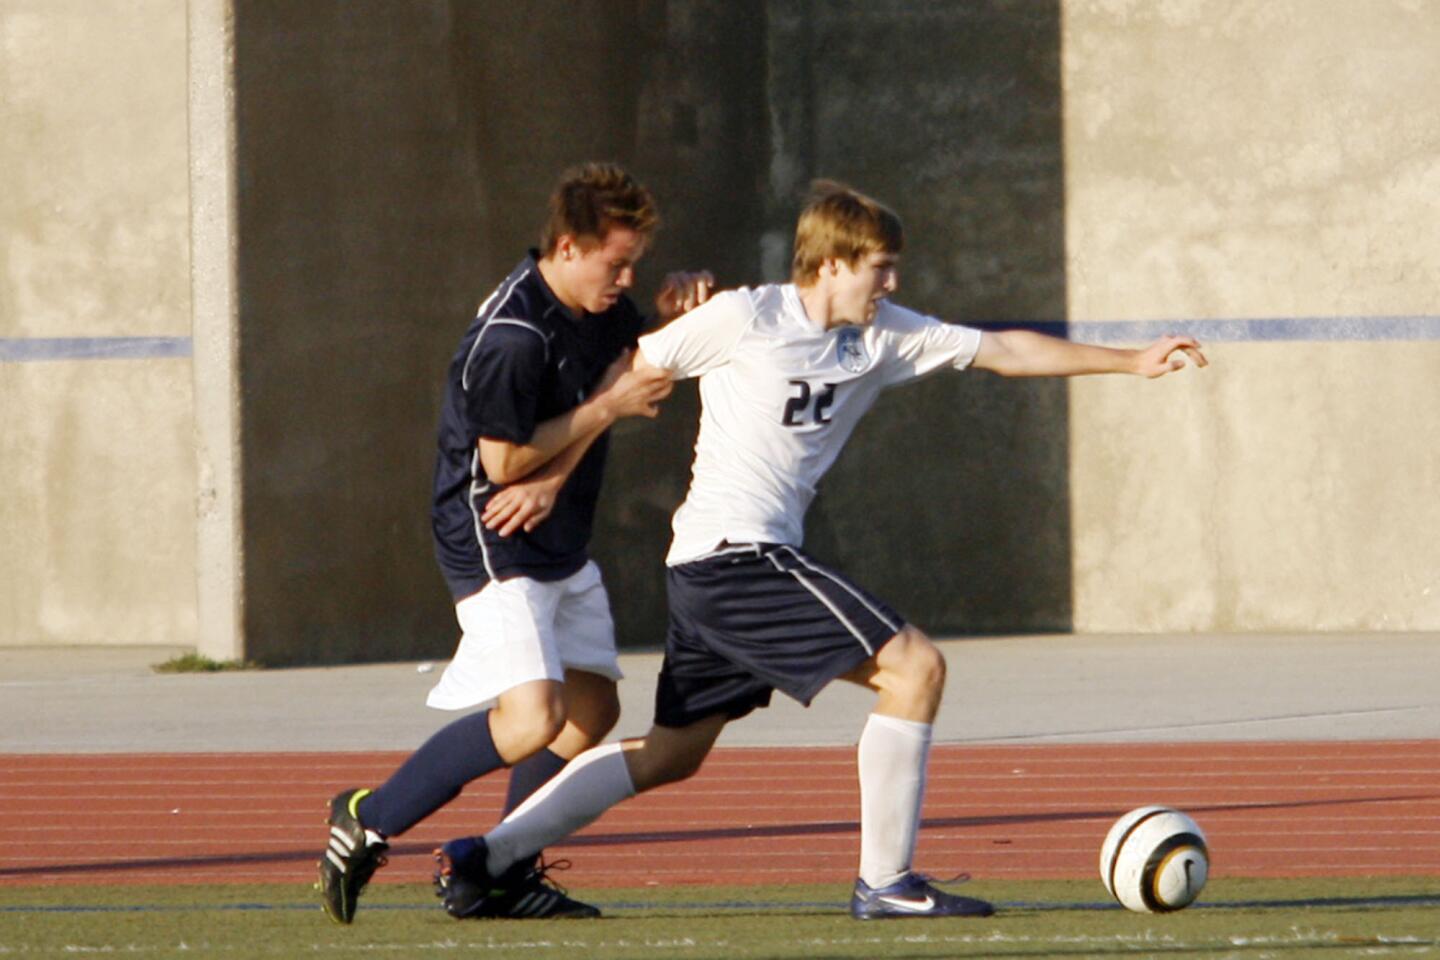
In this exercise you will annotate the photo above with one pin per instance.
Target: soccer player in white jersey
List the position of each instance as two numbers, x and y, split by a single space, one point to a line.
786 371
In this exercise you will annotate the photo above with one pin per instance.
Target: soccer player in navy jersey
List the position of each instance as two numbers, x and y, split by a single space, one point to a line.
786 372
539 377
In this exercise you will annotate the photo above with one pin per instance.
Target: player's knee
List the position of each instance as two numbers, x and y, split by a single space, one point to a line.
921 665
607 715
532 727
931 667
593 704
550 722
542 728
597 716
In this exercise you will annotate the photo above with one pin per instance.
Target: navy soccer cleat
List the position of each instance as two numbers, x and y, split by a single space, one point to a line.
351 859
524 892
913 895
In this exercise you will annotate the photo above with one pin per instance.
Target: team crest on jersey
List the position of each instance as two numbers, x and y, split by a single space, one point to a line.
850 350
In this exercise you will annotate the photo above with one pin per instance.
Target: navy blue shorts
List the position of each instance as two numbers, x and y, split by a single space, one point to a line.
754 618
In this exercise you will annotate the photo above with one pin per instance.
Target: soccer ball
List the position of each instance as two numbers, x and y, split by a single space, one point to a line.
1155 860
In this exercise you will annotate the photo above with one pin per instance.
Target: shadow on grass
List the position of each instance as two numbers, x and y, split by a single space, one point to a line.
822 828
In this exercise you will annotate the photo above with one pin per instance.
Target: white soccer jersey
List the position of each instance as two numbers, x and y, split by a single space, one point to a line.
779 397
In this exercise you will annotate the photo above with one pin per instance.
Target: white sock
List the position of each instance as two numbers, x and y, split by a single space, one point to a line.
892 756
588 786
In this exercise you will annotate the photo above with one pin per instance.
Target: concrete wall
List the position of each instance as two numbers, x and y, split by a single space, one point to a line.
97 500
357 174
1258 161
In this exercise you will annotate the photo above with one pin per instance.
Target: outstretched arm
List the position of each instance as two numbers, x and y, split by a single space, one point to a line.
1023 353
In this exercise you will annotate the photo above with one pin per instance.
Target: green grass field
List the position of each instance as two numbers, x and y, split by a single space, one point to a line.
1390 917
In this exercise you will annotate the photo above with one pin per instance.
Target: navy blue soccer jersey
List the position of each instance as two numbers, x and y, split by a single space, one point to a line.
524 360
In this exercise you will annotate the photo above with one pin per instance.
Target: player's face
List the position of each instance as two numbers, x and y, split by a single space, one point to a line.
859 289
595 275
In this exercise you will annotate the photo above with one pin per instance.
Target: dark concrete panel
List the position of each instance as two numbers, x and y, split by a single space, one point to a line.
702 147
359 231
951 501
394 162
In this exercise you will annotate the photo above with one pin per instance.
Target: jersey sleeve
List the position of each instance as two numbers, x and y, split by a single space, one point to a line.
502 382
921 345
701 340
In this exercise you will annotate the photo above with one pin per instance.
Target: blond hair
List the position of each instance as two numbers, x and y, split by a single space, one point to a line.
594 198
841 223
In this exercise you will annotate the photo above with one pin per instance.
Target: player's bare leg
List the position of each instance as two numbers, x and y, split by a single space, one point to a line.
592 708
908 674
670 754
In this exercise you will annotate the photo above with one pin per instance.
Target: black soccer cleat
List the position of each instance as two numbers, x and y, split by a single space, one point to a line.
351 859
523 892
913 895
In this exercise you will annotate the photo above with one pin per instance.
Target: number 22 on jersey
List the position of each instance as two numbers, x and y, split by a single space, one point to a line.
806 407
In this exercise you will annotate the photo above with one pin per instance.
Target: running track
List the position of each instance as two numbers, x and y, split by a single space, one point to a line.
751 816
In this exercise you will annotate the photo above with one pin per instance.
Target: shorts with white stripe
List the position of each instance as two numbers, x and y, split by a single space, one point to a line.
753 618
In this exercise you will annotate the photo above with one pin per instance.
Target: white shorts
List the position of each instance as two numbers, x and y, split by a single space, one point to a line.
517 630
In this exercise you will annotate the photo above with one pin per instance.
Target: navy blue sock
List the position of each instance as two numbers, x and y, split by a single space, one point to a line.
526 777
432 776
530 775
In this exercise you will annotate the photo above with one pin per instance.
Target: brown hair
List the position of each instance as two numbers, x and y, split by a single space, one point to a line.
592 199
841 223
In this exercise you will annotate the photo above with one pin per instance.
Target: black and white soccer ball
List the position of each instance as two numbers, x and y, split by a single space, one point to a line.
1155 860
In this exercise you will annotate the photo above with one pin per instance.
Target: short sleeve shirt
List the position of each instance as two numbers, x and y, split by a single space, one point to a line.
523 360
780 396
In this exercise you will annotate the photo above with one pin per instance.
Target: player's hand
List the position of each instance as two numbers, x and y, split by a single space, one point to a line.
683 291
521 505
1167 355
631 392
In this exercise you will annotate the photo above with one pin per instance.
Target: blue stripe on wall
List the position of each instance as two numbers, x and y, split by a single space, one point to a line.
1233 331
1270 329
22 350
